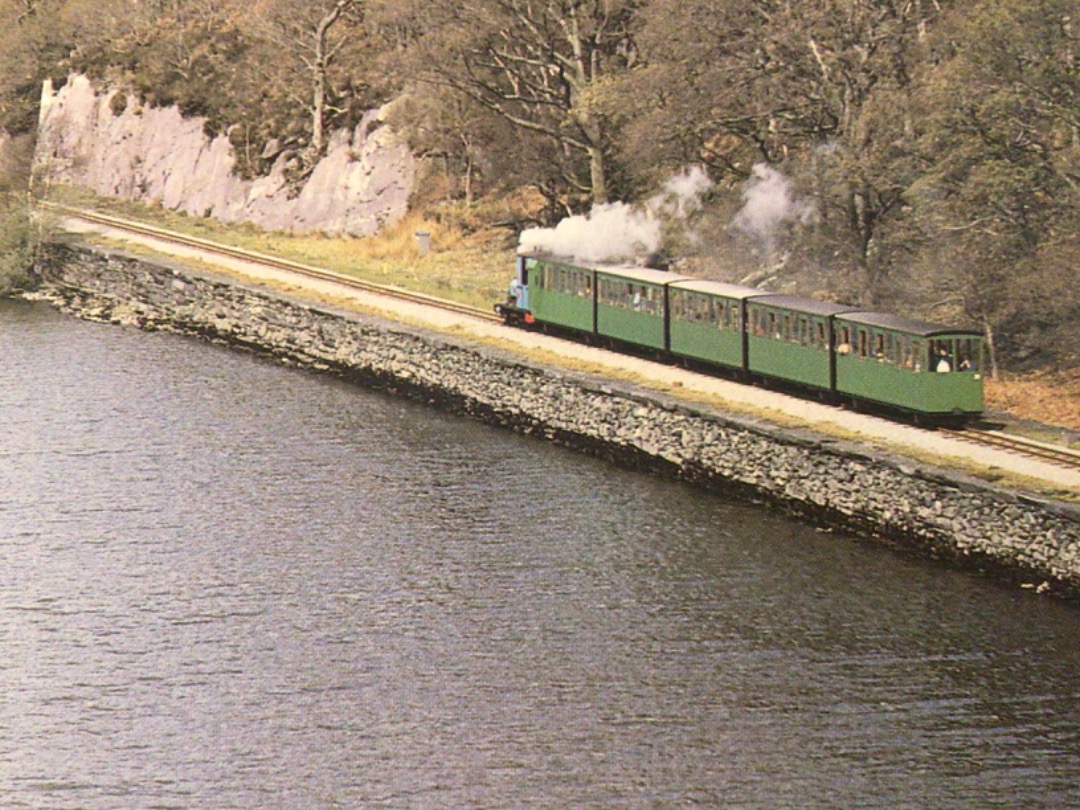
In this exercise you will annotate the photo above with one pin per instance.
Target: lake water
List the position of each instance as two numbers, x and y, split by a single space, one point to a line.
228 584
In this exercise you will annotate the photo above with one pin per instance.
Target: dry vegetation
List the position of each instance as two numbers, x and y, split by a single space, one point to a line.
1049 399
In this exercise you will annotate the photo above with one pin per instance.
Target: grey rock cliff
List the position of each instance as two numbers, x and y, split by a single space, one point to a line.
157 156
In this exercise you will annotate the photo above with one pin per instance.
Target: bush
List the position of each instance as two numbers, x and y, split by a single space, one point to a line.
20 244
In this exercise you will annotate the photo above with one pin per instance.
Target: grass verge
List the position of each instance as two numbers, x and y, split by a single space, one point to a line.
472 268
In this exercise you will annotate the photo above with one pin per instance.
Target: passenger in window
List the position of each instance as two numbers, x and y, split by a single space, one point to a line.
943 366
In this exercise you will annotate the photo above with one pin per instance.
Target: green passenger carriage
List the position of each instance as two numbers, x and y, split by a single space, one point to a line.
789 338
560 294
907 364
631 305
707 321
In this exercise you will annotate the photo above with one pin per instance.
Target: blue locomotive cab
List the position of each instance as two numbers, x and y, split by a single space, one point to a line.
515 310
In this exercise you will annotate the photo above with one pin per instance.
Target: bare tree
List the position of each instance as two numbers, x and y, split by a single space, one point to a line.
540 64
314 36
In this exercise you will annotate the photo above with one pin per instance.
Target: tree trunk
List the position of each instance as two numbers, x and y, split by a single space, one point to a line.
597 175
991 351
318 110
319 68
593 133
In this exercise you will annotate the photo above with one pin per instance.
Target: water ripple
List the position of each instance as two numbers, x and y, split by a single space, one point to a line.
227 584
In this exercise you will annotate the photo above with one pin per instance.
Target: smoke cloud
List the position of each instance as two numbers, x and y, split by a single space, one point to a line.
769 203
610 232
618 232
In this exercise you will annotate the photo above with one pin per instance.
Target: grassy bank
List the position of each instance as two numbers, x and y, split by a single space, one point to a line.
473 268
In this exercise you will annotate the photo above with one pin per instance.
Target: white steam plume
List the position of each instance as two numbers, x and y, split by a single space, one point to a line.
610 232
618 232
769 204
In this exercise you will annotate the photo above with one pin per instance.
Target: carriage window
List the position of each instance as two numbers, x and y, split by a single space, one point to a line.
641 298
879 347
844 346
678 305
612 293
968 354
942 358
903 351
864 343
653 298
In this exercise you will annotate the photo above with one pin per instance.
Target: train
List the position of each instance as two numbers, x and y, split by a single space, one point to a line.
928 373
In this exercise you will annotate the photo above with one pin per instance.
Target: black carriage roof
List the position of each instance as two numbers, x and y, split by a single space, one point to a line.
909 325
646 275
718 288
799 304
630 272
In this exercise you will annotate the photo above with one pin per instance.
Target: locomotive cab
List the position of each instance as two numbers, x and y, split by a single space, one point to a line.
515 310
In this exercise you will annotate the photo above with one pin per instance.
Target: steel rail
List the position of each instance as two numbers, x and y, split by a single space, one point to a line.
1060 456
306 270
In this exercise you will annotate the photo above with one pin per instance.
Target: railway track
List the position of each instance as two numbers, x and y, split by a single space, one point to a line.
306 270
1058 456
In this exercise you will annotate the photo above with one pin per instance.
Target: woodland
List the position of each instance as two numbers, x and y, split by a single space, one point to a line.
922 156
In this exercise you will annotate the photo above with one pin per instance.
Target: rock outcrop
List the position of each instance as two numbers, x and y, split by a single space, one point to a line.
157 156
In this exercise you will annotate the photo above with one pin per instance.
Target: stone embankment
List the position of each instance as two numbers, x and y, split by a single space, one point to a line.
1020 538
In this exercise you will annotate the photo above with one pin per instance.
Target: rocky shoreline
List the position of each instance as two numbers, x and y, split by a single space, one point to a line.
1013 536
